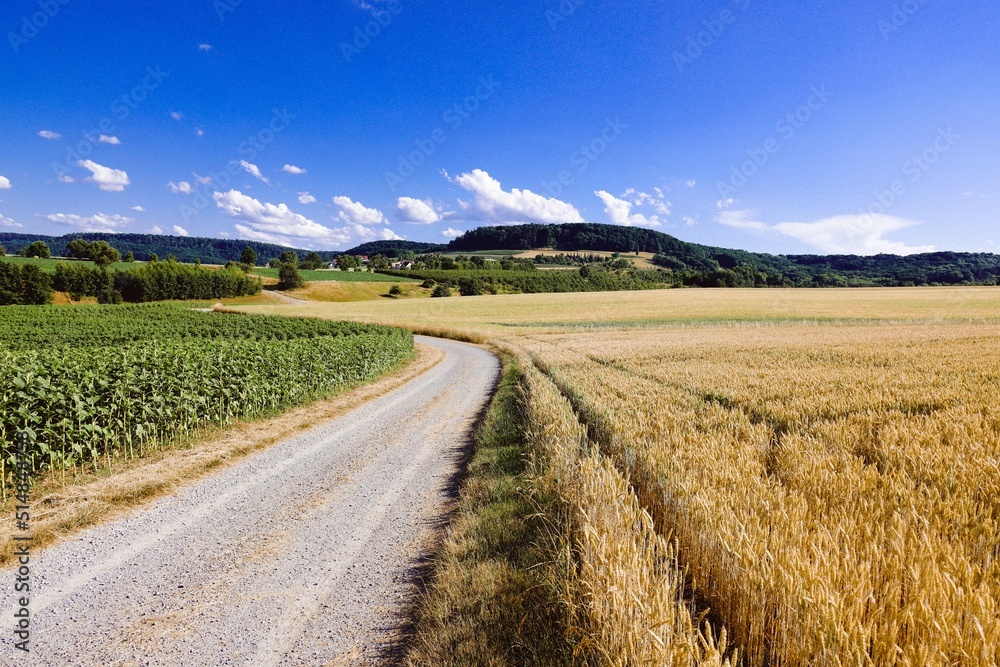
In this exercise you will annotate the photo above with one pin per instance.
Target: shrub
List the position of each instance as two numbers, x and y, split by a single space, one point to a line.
395 291
441 290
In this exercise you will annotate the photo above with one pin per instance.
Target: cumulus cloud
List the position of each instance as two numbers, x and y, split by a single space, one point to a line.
254 171
725 203
4 183
199 132
690 220
306 198
139 209
156 230
292 169
109 139
451 233
181 187
204 47
363 233
49 134
180 231
657 201
691 183
491 203
99 222
65 178
862 234
8 222
619 212
202 180
261 221
106 178
176 115
416 212
354 213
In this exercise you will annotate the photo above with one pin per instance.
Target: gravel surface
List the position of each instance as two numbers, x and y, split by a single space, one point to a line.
302 554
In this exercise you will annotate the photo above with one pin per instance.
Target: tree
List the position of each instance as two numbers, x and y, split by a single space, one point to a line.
289 257
78 249
347 262
379 262
3 251
440 291
153 257
248 258
311 262
274 263
102 254
129 257
38 249
288 276
395 291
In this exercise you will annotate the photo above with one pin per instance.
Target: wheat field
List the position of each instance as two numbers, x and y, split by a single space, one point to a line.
765 477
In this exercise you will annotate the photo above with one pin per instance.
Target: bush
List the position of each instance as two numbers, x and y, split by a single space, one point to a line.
441 290
470 287
395 291
429 283
37 249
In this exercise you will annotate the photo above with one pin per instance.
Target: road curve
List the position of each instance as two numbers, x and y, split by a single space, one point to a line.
298 555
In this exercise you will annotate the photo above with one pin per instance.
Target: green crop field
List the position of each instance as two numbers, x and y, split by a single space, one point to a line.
103 382
49 265
343 276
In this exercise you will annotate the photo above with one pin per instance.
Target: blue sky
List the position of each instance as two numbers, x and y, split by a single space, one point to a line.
787 127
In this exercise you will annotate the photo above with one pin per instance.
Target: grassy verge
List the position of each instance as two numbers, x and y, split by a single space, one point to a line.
495 597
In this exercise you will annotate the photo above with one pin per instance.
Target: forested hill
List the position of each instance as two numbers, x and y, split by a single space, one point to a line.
947 268
396 248
184 248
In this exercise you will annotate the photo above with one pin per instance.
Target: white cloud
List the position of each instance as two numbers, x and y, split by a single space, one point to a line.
451 233
139 209
106 139
8 222
156 230
690 220
691 183
657 201
354 213
106 178
725 203
181 187
271 223
363 233
49 134
199 132
65 178
491 203
202 180
204 47
176 115
306 198
619 212
180 231
99 222
416 211
4 183
254 171
843 234
292 169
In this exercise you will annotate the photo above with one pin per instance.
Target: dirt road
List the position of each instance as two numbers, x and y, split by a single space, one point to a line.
300 555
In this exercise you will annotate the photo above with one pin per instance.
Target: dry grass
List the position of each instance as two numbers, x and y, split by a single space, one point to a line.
63 507
347 292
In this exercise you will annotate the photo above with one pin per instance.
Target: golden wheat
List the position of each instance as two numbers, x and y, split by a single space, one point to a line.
834 491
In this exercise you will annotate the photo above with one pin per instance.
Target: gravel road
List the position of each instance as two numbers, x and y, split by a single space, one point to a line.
302 554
